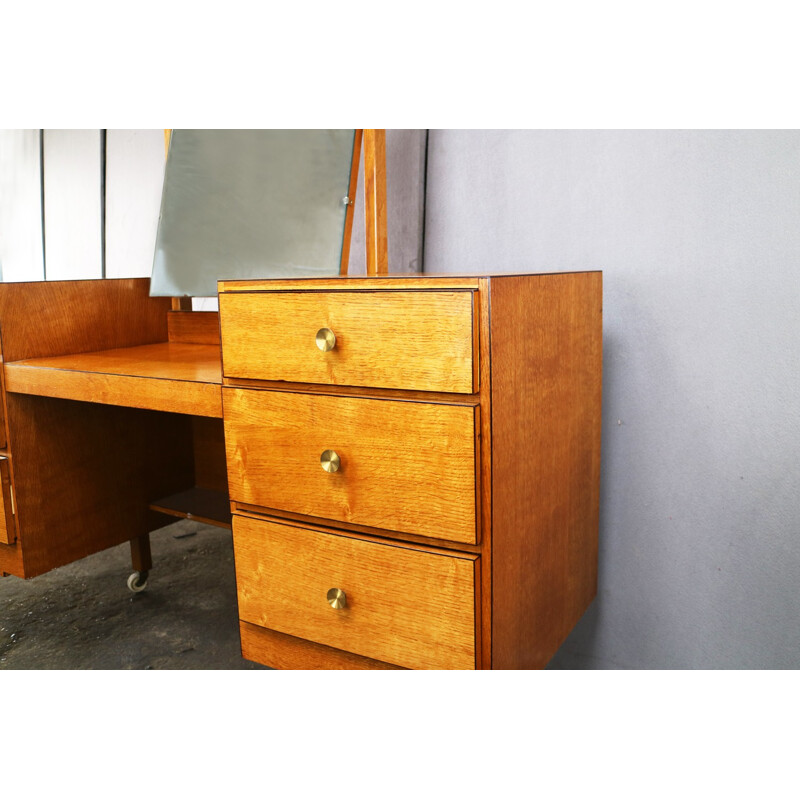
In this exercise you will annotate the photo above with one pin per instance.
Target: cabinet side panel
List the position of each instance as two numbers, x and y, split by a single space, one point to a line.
56 318
84 475
546 350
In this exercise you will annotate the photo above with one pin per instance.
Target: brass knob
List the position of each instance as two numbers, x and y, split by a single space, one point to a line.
330 461
326 339
336 598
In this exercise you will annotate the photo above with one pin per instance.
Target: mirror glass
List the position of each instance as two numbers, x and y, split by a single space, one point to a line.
250 204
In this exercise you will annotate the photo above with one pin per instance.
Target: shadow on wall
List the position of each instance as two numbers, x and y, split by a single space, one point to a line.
579 650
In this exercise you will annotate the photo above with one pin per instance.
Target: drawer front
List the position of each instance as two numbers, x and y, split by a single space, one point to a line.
415 340
410 607
402 466
8 533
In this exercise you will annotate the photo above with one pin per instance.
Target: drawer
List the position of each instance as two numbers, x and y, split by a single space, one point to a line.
402 466
414 340
8 533
411 607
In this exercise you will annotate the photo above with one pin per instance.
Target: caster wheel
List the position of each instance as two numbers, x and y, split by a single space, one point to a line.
137 581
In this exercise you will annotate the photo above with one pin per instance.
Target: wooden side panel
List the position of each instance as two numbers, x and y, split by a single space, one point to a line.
210 470
279 651
194 327
410 607
485 484
8 532
53 318
407 467
546 350
3 434
389 340
80 473
84 475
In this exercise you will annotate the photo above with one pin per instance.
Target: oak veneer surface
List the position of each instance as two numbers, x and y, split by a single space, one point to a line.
538 434
281 651
355 283
210 468
166 376
375 201
546 351
3 437
84 475
405 466
53 318
383 339
404 606
7 531
193 327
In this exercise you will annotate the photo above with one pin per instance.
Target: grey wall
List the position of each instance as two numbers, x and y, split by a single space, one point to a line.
698 235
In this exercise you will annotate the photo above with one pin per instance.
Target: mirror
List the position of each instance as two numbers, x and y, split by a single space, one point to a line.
250 204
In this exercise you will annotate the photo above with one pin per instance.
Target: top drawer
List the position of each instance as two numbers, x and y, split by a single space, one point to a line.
414 340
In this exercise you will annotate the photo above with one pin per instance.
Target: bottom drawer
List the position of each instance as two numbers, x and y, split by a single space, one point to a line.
413 607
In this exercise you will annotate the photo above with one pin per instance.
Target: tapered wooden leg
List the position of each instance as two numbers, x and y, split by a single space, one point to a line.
141 558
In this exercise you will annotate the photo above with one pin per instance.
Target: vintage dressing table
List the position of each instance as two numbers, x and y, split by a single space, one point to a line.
410 466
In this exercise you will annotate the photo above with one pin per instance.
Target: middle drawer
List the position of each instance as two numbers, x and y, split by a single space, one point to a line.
397 465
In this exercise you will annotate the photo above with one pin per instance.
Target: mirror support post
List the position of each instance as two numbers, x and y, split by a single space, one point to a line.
375 201
351 194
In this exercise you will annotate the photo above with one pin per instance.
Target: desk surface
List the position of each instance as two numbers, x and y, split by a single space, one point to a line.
168 376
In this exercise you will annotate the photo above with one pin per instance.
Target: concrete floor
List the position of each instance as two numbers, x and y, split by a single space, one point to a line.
82 616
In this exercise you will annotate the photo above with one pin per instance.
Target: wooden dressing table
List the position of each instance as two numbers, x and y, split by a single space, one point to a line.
413 463
111 420
459 525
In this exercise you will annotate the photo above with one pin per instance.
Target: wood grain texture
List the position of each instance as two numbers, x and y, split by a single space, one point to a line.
485 480
8 532
402 340
279 651
404 466
3 433
141 554
193 327
167 376
351 283
375 201
406 607
84 475
54 318
210 469
546 351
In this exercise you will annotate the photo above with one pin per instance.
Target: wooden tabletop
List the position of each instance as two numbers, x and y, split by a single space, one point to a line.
168 376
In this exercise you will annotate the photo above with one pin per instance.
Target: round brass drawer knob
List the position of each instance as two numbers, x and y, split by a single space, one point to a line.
330 461
326 339
336 598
